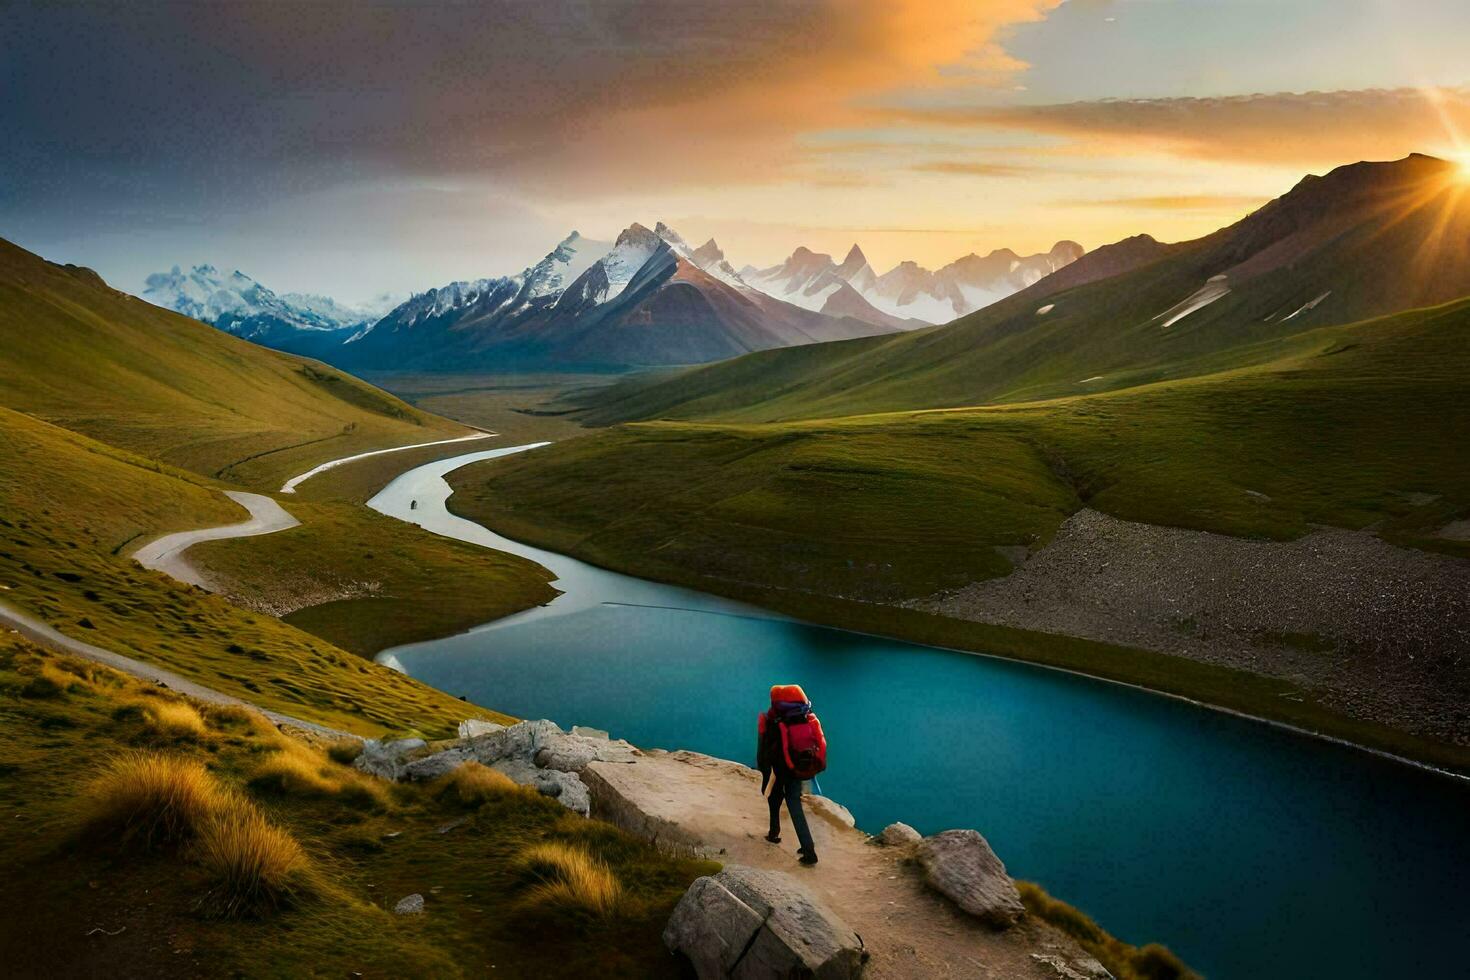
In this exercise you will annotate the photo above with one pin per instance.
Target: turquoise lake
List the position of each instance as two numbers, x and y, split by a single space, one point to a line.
1251 851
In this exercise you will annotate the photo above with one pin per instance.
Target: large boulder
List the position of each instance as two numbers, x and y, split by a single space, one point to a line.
960 865
386 760
750 924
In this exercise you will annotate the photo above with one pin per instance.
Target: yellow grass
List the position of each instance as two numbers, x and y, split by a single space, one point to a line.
173 719
472 784
151 799
297 770
568 877
255 866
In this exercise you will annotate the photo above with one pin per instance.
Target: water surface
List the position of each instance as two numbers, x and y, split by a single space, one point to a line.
1252 851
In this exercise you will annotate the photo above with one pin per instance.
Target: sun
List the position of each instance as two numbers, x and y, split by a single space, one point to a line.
1462 166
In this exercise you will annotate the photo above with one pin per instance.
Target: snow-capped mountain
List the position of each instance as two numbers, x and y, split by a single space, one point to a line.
908 291
302 323
646 299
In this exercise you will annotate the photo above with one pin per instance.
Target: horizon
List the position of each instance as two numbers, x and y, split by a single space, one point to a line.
350 153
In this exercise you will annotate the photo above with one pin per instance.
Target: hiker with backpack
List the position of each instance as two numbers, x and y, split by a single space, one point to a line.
790 749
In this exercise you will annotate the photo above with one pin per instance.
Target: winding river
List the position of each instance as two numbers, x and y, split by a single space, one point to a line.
1254 852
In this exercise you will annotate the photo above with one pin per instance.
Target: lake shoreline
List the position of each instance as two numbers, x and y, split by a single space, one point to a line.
1205 685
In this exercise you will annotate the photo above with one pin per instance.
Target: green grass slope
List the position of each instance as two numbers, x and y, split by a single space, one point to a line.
1363 241
100 362
1355 426
71 509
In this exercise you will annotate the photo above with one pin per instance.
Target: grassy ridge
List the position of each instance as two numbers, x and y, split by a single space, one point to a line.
1366 240
71 509
1354 426
144 379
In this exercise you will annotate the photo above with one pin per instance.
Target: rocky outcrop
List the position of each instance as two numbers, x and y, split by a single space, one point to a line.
752 924
386 760
960 865
533 753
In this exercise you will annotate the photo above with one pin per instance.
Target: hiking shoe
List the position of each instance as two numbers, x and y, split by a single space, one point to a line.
807 857
774 838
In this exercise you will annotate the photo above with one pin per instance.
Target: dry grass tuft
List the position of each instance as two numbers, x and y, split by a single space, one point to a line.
173 719
151 799
297 770
256 867
295 773
238 717
472 784
569 878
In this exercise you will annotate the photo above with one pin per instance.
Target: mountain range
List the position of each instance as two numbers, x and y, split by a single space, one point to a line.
1364 240
908 292
647 299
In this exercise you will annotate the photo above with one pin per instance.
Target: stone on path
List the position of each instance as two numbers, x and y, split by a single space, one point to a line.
960 865
899 835
752 924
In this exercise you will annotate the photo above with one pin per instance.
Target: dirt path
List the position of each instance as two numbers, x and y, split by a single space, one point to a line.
38 632
166 554
911 931
290 485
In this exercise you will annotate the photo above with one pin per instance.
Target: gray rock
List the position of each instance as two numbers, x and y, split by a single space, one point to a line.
899 835
386 760
761 925
566 788
520 740
712 927
960 865
471 727
573 753
410 905
1082 968
585 732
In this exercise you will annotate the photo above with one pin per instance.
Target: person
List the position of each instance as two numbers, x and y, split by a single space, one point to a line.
790 749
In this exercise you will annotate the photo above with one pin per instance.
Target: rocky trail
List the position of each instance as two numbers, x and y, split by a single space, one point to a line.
868 899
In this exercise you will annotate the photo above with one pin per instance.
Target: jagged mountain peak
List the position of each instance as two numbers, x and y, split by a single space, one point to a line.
708 254
637 234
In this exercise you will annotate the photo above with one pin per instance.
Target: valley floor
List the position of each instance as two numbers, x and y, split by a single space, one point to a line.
1378 631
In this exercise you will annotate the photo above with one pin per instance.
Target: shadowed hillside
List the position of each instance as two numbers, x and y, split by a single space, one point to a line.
92 359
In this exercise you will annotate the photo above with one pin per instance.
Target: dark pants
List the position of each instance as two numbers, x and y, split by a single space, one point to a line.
789 790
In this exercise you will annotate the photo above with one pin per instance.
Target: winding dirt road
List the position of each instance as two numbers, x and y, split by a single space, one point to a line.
290 485
166 554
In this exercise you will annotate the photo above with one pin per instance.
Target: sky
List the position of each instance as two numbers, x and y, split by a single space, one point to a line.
356 147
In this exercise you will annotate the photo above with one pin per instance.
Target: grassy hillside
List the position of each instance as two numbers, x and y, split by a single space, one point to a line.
94 360
1354 426
71 509
1365 240
275 859
366 582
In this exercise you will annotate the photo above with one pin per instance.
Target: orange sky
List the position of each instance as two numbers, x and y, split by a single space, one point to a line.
352 149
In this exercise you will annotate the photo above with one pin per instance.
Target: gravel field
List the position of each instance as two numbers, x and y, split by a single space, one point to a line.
1380 632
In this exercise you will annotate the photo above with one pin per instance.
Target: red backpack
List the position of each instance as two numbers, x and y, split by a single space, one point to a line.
804 746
